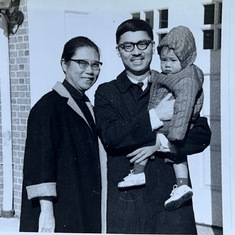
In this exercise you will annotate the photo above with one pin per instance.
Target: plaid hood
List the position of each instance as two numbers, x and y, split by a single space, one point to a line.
181 40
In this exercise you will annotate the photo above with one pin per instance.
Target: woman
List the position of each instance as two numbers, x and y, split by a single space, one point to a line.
61 183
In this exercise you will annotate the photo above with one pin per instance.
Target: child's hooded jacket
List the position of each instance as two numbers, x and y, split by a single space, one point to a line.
186 85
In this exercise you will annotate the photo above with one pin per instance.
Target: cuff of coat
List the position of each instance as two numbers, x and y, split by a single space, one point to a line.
164 143
41 190
154 120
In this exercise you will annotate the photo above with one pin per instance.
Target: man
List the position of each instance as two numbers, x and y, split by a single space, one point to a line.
126 126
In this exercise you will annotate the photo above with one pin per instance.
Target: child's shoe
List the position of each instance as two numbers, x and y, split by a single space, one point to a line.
179 196
132 180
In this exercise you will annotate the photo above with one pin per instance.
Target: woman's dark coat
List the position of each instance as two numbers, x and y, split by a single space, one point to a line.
62 161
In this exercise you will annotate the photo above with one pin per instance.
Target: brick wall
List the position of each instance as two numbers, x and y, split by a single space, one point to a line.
20 99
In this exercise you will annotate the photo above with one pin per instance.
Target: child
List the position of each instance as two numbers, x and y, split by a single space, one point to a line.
183 80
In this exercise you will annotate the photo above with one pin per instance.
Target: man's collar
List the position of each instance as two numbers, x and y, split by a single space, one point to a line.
123 82
145 81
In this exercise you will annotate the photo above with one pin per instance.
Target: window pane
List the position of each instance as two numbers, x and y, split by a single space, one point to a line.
219 39
161 36
149 17
163 19
209 14
208 39
220 13
136 15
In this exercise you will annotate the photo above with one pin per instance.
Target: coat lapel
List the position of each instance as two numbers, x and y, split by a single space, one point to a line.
90 107
62 91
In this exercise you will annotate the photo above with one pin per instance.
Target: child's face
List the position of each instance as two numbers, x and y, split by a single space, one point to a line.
170 63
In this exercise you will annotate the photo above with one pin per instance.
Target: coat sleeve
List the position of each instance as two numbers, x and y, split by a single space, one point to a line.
40 157
198 138
185 93
115 127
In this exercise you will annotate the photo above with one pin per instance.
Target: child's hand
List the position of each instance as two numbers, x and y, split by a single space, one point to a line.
165 108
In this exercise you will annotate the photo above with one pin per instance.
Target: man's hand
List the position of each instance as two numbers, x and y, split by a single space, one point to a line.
165 108
46 218
143 153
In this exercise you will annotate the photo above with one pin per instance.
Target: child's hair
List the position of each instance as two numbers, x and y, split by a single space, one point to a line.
181 40
164 51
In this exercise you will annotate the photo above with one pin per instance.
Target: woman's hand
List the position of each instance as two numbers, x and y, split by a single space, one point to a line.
141 154
46 218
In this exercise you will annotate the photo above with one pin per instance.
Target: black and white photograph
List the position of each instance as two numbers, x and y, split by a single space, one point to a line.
116 117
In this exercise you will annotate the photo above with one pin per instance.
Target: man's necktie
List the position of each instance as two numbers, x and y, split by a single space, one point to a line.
137 90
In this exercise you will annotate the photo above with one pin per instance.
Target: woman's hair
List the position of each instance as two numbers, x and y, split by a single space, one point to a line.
133 25
73 44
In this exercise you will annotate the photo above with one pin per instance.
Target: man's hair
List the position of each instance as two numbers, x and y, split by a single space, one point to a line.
133 25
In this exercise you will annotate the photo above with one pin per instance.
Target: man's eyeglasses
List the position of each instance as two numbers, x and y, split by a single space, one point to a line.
83 64
141 45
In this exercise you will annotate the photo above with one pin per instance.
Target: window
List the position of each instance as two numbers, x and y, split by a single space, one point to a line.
209 14
149 17
163 24
163 19
161 36
212 26
220 12
208 39
136 15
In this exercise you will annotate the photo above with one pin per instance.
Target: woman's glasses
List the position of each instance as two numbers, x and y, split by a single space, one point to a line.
83 64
